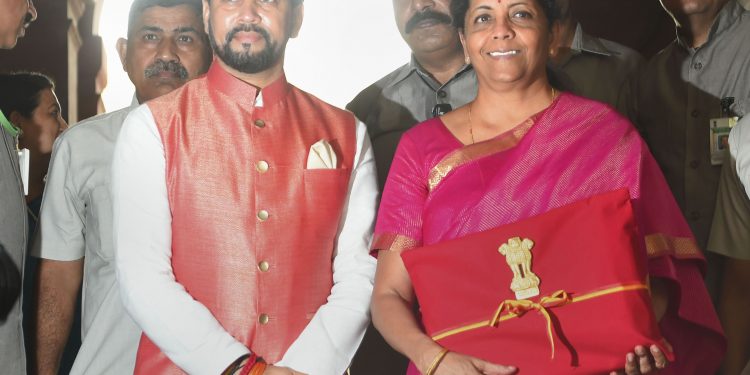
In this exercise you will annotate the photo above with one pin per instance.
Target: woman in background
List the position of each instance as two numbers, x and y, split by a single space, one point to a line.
28 100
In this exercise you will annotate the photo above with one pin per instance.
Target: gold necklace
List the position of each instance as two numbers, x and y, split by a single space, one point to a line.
471 127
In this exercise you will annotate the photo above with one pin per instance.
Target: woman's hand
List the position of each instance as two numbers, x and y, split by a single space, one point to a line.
643 361
459 364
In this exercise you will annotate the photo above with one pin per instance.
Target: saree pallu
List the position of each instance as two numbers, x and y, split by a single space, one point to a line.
438 190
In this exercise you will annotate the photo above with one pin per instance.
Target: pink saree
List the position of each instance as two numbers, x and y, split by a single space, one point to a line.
439 189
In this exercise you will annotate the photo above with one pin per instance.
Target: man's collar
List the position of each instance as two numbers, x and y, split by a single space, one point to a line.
406 71
244 93
414 67
727 16
583 42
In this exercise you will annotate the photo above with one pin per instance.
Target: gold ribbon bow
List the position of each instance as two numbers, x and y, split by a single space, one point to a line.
510 309
517 308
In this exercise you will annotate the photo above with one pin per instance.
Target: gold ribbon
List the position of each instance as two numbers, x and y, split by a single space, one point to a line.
517 308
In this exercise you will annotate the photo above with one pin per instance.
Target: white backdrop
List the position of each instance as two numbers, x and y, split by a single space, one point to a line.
343 47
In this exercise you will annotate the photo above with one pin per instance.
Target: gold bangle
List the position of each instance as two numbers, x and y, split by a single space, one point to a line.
436 362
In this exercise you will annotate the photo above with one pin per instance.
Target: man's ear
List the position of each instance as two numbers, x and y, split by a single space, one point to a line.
122 51
16 119
206 15
298 14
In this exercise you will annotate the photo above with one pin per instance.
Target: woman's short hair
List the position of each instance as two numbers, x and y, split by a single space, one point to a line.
460 7
21 90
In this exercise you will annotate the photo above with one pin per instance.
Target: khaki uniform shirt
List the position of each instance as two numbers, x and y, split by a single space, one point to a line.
13 237
597 68
679 91
402 99
75 223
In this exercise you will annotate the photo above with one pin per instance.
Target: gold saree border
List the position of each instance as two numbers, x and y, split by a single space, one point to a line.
393 242
660 244
476 151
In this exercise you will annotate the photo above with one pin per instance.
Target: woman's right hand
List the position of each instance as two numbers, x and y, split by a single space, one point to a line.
459 364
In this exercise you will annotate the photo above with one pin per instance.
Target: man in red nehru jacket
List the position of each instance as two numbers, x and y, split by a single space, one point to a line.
243 211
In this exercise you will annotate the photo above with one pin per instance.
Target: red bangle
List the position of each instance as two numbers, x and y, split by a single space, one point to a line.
258 368
251 361
234 366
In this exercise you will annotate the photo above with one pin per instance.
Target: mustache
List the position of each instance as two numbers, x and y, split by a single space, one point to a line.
427 15
248 28
166 66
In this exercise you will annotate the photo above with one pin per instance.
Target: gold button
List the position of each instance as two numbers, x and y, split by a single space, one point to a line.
260 123
263 319
262 166
263 266
262 215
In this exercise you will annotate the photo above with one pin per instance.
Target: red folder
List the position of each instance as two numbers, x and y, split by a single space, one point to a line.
580 301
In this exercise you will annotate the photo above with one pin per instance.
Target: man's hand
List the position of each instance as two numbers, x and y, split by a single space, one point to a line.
642 361
59 282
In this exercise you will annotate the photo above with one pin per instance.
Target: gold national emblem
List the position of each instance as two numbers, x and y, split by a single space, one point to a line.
517 254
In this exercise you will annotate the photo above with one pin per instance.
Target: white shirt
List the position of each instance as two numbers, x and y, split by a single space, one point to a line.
182 327
76 222
739 146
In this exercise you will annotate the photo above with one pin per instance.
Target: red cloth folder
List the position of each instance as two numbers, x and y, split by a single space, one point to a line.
592 308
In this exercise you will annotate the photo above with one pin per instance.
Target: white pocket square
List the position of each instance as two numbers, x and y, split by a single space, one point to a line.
321 156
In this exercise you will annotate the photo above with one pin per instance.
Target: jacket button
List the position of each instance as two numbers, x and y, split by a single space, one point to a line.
262 166
262 215
263 319
263 266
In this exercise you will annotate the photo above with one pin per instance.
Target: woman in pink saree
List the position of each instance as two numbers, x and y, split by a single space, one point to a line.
519 150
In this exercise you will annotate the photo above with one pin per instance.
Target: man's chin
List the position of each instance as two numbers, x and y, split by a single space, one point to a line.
245 52
8 44
11 41
163 87
430 42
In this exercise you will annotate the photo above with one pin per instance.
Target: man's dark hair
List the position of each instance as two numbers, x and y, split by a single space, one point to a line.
139 6
294 2
21 92
460 7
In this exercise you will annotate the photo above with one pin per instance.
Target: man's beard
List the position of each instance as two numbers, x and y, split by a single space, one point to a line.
245 61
